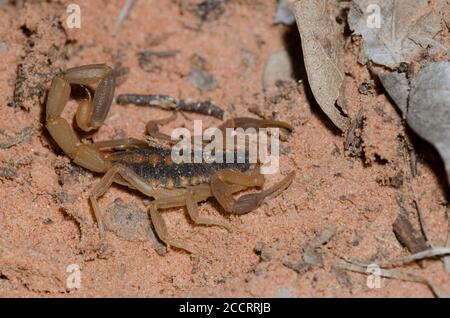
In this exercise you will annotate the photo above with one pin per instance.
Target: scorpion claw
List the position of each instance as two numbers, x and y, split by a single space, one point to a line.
103 98
249 202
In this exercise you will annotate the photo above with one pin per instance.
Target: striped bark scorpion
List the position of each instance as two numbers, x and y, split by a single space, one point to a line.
148 169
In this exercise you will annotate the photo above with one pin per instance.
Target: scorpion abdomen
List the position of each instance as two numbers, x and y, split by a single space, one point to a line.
156 166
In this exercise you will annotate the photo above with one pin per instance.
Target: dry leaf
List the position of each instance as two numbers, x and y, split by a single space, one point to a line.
395 31
321 50
407 234
429 107
397 86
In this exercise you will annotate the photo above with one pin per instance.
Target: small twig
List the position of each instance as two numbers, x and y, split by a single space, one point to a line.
430 253
407 235
172 103
433 252
123 15
423 224
357 267
447 258
413 162
395 274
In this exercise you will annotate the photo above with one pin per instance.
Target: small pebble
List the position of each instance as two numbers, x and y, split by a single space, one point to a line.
128 221
279 68
48 221
284 14
64 197
3 46
202 80
8 172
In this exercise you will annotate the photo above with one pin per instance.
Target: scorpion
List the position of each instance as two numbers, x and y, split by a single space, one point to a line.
148 169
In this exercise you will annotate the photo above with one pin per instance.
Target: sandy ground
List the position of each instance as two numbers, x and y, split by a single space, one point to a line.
46 224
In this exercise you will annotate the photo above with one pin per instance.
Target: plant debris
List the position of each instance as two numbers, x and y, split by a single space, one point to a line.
123 15
447 258
407 235
172 103
322 55
429 253
397 86
429 107
395 31
392 273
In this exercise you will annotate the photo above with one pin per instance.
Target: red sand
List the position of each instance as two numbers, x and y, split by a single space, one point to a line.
43 231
